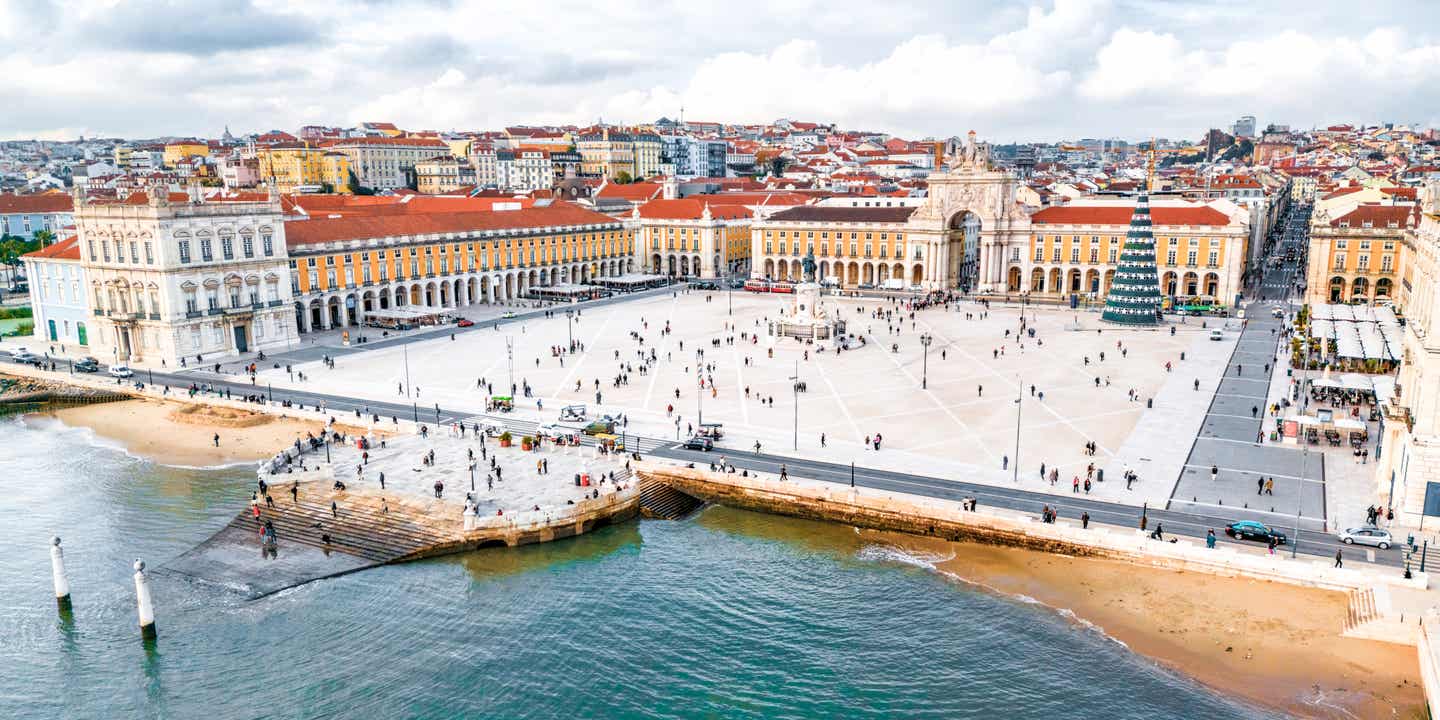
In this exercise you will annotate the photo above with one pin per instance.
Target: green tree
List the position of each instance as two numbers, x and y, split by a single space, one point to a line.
623 177
44 237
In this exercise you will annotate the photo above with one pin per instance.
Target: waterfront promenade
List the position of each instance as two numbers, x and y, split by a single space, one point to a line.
341 509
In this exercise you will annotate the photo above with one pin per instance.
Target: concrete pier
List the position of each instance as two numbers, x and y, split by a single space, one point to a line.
325 529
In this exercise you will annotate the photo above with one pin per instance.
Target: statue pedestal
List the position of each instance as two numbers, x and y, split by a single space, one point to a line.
805 319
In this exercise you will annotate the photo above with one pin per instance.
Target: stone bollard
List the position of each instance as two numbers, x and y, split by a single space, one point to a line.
144 605
57 569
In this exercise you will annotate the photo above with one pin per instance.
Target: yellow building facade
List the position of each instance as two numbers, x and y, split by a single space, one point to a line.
297 166
346 267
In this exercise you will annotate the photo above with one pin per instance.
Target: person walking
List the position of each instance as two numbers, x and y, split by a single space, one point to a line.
1210 539
1075 484
1214 471
1339 558
783 474
217 439
1084 521
295 492
1260 486
1270 486
1270 545
334 509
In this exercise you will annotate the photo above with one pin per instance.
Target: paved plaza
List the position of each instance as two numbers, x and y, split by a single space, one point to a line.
961 424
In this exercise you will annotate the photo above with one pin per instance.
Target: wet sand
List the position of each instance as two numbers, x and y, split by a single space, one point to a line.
152 429
1275 644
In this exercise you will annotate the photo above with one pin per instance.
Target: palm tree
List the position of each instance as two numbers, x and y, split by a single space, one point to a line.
44 237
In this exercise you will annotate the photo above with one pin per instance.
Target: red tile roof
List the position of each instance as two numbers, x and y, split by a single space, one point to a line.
1379 216
633 192
67 249
692 208
1120 215
321 230
36 203
818 213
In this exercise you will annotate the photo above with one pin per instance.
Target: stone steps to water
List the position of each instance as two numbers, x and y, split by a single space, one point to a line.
1362 608
658 500
358 530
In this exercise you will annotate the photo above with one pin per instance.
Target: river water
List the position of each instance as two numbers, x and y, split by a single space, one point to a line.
726 615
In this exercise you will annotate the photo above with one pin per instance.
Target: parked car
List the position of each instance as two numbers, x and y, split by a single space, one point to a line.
464 322
508 314
1251 530
1217 335
699 442
87 365
1367 535
25 357
1277 312
866 286
121 371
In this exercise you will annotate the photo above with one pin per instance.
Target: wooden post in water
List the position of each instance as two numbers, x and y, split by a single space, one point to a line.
144 605
57 569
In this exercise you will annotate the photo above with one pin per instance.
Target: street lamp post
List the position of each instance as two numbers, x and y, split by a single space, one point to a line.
699 394
1295 542
795 390
405 347
925 340
1019 405
569 326
327 446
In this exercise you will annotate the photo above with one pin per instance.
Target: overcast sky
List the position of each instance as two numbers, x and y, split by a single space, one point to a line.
1039 70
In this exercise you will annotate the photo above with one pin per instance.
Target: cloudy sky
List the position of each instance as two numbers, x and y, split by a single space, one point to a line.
1036 70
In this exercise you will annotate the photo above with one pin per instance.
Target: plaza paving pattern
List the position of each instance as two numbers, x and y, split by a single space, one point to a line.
961 425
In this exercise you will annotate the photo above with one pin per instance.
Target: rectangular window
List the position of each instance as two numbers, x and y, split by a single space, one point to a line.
227 248
1074 254
1214 259
134 252
206 251
267 244
1340 261
184 251
149 253
1094 255
1190 258
1387 263
1055 254
1039 254
1114 253
247 246
1364 262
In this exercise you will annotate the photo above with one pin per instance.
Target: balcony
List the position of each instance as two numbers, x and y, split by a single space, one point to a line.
154 316
192 314
99 312
214 311
276 303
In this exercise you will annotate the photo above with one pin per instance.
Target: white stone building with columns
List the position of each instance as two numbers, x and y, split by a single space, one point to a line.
173 277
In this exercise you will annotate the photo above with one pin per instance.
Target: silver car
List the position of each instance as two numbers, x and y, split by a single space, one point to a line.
1367 535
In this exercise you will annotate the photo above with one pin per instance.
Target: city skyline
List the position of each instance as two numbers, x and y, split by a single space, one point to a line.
1047 71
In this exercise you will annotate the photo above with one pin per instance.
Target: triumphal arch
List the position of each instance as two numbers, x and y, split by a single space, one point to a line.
972 223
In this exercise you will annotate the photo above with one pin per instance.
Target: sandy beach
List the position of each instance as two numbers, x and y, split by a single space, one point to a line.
1274 644
165 433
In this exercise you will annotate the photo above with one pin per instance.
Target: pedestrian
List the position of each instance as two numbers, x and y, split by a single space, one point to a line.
783 474
1270 545
295 492
1270 486
1214 471
1084 521
1339 555
1075 484
1210 539
382 481
334 509
217 439
1004 462
822 440
1260 486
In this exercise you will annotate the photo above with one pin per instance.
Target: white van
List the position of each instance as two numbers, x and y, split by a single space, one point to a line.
830 281
1217 335
893 284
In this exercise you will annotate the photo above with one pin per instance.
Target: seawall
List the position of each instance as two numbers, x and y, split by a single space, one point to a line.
901 512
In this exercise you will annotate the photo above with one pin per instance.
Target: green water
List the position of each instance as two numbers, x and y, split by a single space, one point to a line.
726 615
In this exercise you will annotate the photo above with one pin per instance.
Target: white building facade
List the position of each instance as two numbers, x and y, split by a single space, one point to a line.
176 278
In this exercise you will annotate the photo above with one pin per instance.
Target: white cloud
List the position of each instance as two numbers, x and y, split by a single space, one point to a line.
1044 70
